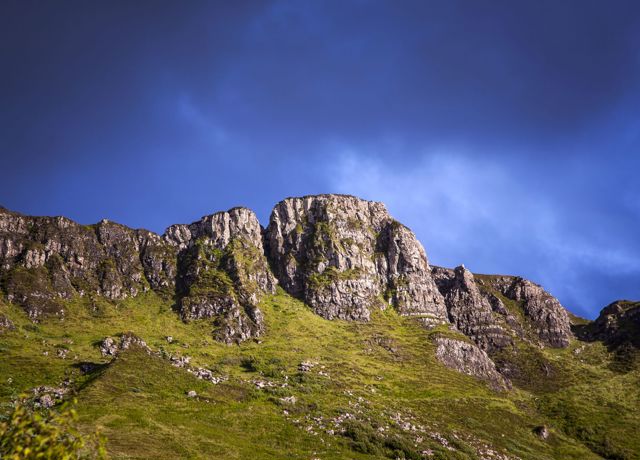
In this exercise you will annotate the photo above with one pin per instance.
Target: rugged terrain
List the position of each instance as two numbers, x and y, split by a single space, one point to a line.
326 334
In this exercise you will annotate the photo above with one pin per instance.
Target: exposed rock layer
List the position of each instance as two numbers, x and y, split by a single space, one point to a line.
344 256
469 359
492 310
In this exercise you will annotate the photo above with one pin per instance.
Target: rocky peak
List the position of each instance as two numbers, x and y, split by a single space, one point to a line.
344 256
220 228
223 272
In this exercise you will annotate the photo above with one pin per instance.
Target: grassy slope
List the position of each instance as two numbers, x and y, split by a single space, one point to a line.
376 371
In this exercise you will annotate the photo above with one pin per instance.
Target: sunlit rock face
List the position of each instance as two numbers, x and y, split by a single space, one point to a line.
345 256
223 272
471 310
46 259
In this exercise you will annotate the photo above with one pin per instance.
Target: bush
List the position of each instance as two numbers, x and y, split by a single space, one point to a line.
47 435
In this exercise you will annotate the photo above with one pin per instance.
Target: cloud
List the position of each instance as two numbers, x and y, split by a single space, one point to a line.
488 214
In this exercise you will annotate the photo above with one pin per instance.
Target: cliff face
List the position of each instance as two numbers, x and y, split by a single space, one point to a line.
471 310
223 272
494 310
45 259
618 327
345 256
215 266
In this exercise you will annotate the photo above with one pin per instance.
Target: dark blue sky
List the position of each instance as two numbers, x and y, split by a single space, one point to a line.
505 133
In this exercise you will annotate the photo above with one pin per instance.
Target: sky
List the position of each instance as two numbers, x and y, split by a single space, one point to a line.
505 133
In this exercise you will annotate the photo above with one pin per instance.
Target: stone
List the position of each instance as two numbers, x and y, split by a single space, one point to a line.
469 359
544 312
109 346
192 394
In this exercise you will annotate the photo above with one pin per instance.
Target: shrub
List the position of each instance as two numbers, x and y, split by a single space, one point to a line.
48 435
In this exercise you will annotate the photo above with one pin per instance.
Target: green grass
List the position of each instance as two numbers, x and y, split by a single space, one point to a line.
384 373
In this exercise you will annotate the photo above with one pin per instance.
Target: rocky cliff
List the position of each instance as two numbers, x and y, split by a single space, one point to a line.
223 272
344 257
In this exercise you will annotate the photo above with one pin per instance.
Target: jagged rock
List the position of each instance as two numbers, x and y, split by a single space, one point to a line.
47 397
129 339
180 361
469 310
469 359
544 316
109 346
223 272
617 324
618 327
343 256
547 316
192 394
46 259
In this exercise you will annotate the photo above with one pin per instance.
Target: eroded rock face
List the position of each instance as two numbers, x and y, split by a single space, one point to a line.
45 259
344 256
617 325
216 266
548 318
472 312
470 301
223 272
467 358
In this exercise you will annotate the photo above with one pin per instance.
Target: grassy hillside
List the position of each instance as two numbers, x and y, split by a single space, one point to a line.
372 390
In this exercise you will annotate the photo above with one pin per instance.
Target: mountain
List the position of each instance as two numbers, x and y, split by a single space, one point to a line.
326 334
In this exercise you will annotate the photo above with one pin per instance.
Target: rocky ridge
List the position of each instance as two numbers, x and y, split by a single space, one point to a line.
343 256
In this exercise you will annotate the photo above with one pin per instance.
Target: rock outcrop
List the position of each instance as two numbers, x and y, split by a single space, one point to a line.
345 256
45 259
216 266
467 358
617 325
476 305
112 347
470 310
223 272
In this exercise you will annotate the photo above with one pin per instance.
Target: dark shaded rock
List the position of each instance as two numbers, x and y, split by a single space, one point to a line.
467 358
469 310
617 324
618 327
344 256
